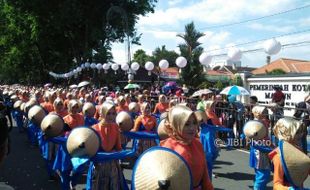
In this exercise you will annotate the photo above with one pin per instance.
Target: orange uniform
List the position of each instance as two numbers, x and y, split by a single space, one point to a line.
161 107
48 106
278 174
148 121
74 120
62 113
122 108
110 136
195 158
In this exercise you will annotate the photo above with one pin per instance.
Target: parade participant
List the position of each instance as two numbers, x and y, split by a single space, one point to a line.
127 99
302 112
182 127
47 104
212 117
147 123
161 106
59 108
18 115
89 112
290 131
101 99
236 114
74 118
108 174
69 97
140 100
121 104
258 158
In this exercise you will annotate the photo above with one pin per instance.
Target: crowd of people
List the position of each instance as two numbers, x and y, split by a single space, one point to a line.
191 125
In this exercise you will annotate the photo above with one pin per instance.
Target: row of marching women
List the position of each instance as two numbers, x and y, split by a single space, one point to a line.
87 131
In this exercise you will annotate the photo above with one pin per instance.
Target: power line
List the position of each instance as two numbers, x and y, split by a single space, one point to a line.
251 42
254 19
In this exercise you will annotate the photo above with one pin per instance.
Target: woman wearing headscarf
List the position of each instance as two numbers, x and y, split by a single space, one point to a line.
182 126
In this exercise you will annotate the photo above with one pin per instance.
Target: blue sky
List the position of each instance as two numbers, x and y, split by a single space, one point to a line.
170 17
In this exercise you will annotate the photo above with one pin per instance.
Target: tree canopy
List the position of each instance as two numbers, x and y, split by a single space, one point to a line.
39 36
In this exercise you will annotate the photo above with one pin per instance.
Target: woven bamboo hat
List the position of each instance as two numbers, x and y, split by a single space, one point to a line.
287 128
36 114
163 115
29 104
89 109
255 130
161 168
201 116
17 104
124 121
295 163
52 125
133 107
83 142
162 131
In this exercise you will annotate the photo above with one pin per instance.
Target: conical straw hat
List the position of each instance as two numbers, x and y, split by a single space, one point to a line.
161 168
286 128
89 109
201 116
83 142
17 104
36 114
52 125
162 131
124 121
133 107
29 104
255 130
295 163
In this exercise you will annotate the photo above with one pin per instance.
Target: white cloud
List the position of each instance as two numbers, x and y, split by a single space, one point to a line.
162 34
215 11
271 28
174 2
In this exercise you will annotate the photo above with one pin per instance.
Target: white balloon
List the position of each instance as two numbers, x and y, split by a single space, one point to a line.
135 66
79 69
125 67
106 66
272 46
93 65
99 66
149 66
83 66
234 54
114 67
87 64
205 59
163 64
181 62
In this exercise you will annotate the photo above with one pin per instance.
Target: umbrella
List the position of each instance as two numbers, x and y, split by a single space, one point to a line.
48 85
201 92
171 83
73 86
235 90
84 83
131 86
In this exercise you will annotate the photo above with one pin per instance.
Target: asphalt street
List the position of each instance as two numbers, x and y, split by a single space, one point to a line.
24 169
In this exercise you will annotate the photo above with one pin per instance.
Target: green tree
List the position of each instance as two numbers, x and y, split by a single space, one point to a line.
141 57
192 74
276 72
162 53
237 80
219 85
39 36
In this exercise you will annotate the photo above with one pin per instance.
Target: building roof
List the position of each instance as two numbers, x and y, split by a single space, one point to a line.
287 65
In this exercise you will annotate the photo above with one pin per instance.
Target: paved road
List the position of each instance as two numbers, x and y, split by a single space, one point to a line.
24 169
